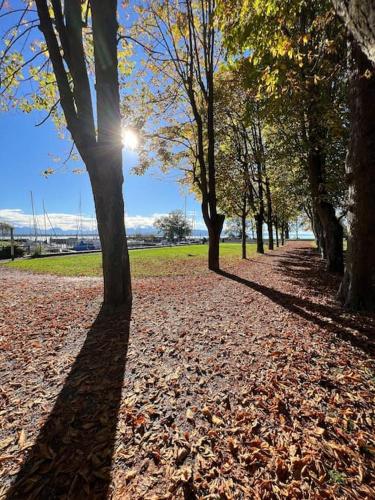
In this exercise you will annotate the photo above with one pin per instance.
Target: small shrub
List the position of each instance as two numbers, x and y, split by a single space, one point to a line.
37 252
5 252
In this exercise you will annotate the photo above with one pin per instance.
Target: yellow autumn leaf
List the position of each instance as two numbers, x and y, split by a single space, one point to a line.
217 421
189 414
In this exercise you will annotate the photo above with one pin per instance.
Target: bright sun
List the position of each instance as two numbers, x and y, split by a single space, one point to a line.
129 138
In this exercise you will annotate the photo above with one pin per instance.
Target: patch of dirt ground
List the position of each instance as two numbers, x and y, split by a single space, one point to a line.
251 383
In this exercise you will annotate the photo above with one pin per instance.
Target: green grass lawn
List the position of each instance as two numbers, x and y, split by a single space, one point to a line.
176 261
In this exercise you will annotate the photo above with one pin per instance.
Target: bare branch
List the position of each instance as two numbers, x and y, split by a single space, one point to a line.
52 109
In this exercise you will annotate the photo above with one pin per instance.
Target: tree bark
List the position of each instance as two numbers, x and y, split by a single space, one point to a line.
259 233
252 230
287 230
277 231
282 233
106 181
359 17
107 176
269 214
331 238
214 230
318 233
243 235
357 290
205 121
259 218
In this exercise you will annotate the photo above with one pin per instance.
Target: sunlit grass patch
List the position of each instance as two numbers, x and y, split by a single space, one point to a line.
178 260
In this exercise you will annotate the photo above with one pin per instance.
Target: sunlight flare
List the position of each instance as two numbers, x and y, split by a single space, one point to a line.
130 138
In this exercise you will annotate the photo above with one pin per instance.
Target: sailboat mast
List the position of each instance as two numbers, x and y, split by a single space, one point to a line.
45 222
79 218
34 219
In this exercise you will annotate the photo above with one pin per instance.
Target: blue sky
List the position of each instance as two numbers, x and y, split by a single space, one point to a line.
27 150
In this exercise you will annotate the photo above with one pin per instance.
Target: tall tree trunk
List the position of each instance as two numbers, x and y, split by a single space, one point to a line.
318 233
205 122
282 233
214 223
243 235
100 149
106 174
107 180
332 237
324 211
269 214
287 230
357 290
277 231
259 218
214 230
259 233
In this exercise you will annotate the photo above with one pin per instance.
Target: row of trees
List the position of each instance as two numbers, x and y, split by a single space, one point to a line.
256 102
202 116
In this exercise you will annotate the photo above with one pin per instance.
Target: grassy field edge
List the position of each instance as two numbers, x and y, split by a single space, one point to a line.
150 262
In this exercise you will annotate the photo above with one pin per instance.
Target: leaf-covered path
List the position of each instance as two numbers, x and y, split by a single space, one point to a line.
248 384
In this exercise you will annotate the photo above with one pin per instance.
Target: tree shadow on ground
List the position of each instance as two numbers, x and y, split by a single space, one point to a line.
72 455
305 268
358 329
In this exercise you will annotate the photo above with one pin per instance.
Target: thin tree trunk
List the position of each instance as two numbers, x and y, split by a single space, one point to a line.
269 214
277 231
217 220
357 290
270 234
259 218
287 230
243 235
282 233
205 122
259 233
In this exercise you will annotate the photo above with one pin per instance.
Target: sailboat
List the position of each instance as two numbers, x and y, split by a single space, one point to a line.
83 245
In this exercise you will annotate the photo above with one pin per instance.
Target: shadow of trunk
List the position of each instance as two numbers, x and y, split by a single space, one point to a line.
359 330
72 455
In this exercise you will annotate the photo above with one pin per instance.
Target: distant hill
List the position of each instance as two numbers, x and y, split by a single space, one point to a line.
18 231
146 231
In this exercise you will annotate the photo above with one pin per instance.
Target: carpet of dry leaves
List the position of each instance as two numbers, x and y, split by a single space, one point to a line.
251 383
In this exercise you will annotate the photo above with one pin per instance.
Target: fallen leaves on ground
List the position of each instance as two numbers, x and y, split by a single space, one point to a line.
252 383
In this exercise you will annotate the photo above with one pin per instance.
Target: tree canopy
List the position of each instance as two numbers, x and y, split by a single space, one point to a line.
173 226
